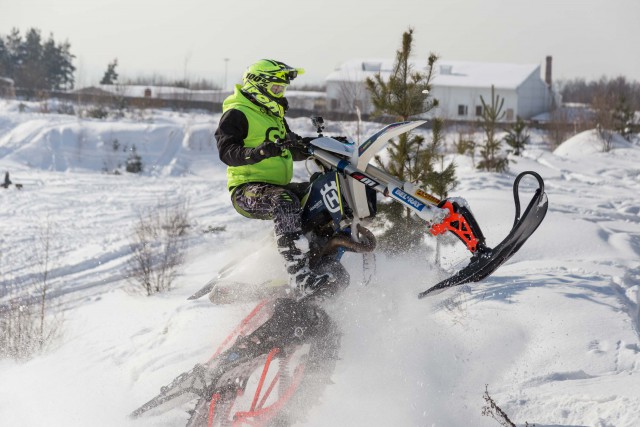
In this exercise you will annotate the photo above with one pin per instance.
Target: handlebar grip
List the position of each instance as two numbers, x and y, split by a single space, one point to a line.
291 140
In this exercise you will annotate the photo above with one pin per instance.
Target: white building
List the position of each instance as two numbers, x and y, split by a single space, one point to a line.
457 85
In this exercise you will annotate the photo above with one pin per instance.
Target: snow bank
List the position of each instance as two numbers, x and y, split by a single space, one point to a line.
589 142
169 144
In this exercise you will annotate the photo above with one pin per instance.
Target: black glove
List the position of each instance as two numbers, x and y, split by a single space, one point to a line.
290 140
265 150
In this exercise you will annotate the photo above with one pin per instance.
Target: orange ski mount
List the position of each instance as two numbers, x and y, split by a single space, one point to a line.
466 229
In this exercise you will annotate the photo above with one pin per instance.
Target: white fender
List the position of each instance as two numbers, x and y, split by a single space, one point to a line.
378 141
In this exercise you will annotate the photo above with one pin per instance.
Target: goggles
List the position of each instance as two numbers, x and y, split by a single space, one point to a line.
276 89
290 74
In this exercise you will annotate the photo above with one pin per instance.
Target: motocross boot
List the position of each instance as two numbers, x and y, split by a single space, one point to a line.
294 248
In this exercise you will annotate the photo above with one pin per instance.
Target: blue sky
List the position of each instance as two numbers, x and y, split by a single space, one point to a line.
192 38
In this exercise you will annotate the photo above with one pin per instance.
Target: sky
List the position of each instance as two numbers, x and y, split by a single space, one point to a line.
217 40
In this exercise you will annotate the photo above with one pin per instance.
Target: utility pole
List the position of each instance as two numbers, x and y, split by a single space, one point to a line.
226 64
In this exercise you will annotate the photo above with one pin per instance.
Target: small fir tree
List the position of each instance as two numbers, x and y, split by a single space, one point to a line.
517 137
410 157
623 116
492 114
134 161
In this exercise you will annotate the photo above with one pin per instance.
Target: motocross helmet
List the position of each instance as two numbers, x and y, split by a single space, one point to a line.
266 81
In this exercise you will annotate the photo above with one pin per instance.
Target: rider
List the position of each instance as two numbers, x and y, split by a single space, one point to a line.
259 171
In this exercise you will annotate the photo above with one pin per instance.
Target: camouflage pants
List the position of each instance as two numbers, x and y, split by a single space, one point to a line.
268 201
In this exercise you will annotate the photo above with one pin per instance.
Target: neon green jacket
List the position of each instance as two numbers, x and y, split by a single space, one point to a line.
260 126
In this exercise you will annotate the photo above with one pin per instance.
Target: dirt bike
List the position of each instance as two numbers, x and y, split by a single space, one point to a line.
274 365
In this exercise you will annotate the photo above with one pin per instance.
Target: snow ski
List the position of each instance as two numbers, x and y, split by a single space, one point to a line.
486 260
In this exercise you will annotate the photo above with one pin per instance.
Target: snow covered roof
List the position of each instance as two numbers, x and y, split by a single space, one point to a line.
6 81
91 90
447 73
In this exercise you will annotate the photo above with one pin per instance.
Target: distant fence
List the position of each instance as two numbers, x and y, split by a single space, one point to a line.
173 104
122 101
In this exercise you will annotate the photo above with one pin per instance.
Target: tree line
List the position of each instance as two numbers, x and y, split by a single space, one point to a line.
35 63
588 92
613 103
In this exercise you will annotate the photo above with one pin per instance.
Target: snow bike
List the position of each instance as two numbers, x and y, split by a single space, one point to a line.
280 357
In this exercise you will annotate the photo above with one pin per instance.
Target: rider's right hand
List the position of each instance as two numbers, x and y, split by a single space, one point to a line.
265 150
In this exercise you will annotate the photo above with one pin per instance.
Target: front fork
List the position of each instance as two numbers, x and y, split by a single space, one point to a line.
461 222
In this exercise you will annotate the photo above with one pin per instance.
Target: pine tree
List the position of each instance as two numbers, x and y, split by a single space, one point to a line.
490 152
15 53
410 157
110 76
34 64
517 136
58 68
63 78
4 58
32 74
50 62
402 96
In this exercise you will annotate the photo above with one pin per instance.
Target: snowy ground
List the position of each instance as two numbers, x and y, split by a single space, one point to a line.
554 333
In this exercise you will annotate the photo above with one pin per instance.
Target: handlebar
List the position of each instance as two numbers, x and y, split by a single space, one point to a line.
292 140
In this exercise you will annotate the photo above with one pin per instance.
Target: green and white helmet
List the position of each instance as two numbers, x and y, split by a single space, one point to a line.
267 80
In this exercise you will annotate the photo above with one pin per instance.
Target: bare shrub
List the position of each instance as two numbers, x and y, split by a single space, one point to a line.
464 145
560 128
466 142
26 324
491 409
44 259
604 104
97 112
19 337
23 330
158 244
606 138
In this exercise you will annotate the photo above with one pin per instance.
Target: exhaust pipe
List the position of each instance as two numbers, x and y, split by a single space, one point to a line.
367 243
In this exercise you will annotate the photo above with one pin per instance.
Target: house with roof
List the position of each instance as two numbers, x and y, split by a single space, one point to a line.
458 86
